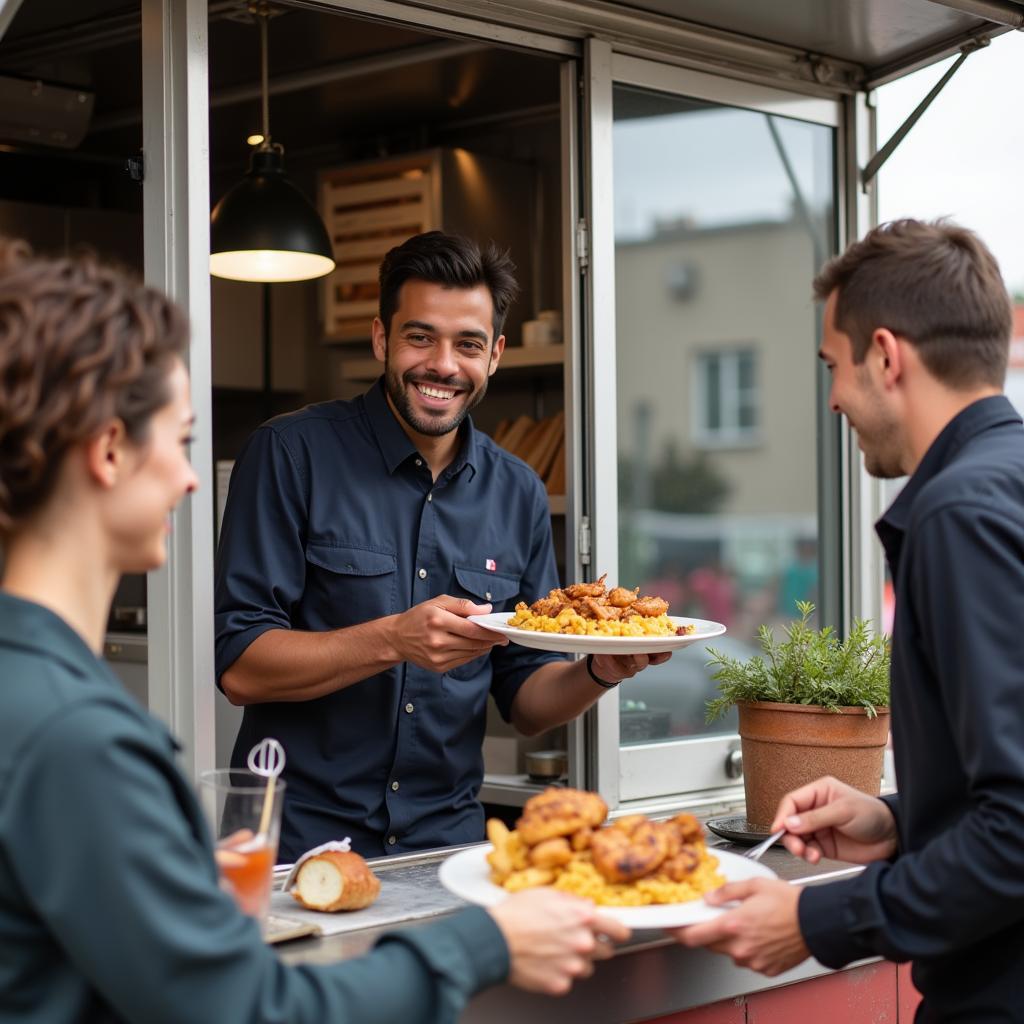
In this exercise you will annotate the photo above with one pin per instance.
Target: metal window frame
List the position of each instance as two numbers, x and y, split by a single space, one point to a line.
8 9
694 770
176 237
863 574
564 26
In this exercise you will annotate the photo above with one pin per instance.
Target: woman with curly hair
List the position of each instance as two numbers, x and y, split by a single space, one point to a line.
110 908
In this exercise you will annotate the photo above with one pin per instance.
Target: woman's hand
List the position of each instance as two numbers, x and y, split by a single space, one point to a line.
554 938
828 818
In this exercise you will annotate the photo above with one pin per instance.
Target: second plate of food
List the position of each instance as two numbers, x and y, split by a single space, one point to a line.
468 875
574 643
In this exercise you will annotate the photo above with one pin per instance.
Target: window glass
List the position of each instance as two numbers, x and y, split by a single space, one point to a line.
722 217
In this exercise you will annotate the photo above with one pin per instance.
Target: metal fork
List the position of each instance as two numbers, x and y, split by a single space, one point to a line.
754 853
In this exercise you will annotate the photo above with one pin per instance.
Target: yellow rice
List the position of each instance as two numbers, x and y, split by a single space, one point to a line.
580 877
571 622
583 879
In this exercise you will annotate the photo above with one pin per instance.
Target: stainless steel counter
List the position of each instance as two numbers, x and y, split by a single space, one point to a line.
649 976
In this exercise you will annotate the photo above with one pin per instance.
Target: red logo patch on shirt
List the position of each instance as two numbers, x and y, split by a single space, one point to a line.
491 565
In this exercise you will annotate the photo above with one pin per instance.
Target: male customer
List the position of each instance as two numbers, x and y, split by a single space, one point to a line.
916 337
357 539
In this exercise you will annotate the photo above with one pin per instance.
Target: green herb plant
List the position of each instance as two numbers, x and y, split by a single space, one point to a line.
811 666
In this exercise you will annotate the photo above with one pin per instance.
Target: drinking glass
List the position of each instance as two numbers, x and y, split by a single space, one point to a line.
246 823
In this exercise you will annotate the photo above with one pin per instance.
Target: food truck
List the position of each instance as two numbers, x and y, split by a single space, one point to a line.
668 176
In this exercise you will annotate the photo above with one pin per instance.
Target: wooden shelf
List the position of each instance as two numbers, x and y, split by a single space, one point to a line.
536 355
513 358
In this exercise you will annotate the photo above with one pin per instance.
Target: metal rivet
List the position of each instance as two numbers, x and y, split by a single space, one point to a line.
408 709
419 462
430 497
392 840
487 594
394 786
422 574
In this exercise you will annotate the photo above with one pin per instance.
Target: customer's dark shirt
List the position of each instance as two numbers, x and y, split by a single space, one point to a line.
333 519
110 908
953 899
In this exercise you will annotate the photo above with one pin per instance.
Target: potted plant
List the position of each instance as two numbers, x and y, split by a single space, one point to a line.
810 705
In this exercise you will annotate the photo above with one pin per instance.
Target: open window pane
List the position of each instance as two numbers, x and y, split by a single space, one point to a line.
722 217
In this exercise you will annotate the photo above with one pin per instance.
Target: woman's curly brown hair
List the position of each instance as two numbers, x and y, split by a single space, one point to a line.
80 344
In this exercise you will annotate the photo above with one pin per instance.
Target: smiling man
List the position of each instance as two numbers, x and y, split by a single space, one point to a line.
916 337
357 539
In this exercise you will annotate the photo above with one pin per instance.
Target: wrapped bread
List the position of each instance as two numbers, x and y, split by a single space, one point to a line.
335 880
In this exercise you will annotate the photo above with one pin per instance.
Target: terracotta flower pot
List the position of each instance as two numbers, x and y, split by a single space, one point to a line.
788 745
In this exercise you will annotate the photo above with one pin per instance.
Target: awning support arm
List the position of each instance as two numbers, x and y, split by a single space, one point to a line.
878 160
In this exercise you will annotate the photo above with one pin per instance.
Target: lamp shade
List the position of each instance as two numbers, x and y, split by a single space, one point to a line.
264 228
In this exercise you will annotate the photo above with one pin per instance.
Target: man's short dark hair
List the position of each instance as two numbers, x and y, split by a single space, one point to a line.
935 284
450 260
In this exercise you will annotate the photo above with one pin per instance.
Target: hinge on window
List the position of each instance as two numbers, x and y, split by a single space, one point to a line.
584 540
136 167
583 244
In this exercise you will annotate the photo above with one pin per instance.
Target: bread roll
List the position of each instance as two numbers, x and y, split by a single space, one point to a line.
336 881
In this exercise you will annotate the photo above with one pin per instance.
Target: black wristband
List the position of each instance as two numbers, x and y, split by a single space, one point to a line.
596 678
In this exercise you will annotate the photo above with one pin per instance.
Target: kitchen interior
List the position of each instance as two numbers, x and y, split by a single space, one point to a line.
388 131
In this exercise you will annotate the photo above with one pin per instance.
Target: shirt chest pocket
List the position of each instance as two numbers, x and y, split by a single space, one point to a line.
483 588
351 584
487 587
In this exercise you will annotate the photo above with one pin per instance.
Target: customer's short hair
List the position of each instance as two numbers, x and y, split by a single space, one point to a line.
453 261
935 284
80 344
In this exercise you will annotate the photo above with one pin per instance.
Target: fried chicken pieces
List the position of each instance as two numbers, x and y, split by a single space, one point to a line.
634 847
559 812
560 825
595 601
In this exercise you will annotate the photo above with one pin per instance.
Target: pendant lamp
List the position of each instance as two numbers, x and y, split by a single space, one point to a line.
264 229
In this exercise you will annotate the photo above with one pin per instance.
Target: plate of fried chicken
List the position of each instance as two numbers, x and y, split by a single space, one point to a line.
645 873
591 618
703 629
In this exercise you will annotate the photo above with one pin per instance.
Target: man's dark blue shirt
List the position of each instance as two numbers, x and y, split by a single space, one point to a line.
333 519
953 899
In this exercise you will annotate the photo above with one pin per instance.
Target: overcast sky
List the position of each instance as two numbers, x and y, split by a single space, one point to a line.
965 157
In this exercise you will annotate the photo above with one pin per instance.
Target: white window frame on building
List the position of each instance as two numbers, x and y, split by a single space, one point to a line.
732 397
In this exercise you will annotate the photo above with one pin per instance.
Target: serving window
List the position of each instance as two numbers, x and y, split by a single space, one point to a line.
723 209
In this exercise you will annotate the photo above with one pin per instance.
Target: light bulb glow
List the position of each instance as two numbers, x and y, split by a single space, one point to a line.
255 139
269 265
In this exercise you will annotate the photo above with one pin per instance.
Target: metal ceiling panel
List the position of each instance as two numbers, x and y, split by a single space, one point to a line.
885 37
839 45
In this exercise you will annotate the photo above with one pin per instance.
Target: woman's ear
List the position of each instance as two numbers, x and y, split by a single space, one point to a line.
106 453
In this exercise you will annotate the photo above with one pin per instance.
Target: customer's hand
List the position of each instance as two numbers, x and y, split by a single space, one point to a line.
437 636
762 933
553 938
828 818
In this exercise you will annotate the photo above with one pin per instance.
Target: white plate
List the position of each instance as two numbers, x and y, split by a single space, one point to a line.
572 643
467 874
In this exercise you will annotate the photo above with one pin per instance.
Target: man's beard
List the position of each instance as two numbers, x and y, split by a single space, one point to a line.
430 426
883 467
879 433
881 449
